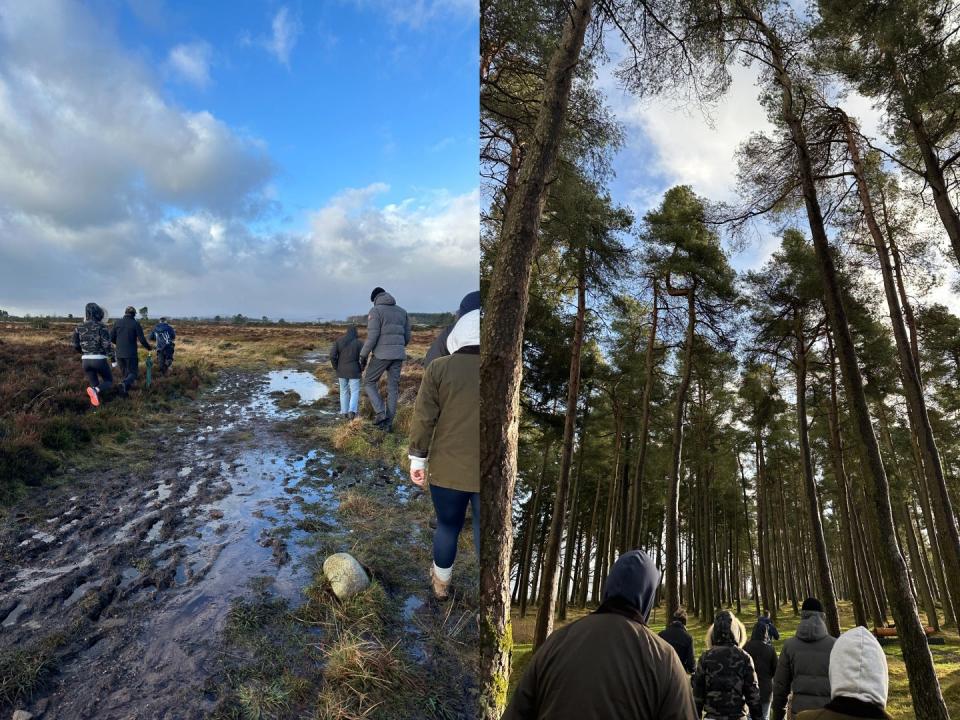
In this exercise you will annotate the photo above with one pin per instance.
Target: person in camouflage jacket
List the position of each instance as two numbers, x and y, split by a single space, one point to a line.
725 683
91 338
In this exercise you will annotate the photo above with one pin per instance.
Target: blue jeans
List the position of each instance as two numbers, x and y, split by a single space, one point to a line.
451 508
349 395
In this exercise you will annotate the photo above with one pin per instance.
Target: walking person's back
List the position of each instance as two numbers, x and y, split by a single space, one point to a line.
680 640
608 665
164 335
91 338
725 683
764 657
345 358
388 333
859 680
803 668
125 334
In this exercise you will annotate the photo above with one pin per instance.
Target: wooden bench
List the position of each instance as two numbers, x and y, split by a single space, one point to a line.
888 635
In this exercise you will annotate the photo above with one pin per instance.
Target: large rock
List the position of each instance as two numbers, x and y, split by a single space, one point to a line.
22 715
346 575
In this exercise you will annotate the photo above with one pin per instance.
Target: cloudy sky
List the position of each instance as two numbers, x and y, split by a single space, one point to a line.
266 158
668 145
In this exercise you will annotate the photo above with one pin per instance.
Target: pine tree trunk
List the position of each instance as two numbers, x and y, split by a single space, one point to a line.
673 483
572 517
924 685
530 530
746 518
501 364
548 587
645 410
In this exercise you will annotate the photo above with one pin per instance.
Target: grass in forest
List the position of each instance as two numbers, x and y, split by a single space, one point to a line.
946 657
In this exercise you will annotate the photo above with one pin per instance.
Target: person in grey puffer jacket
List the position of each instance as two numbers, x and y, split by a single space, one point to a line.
804 665
388 333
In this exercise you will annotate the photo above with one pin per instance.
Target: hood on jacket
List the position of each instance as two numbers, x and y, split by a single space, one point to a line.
812 626
858 668
351 332
726 630
761 633
470 302
93 312
465 333
384 298
634 578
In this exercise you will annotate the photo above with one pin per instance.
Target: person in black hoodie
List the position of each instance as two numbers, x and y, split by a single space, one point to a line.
760 648
125 333
470 302
345 358
676 634
92 339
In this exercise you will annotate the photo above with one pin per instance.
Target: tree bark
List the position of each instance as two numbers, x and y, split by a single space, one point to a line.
645 412
501 363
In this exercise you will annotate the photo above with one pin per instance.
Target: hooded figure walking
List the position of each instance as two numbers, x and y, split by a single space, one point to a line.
445 437
725 683
388 334
92 339
125 334
859 680
803 670
760 648
608 665
345 358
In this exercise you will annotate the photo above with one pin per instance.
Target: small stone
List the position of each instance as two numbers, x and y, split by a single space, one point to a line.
346 575
22 715
216 514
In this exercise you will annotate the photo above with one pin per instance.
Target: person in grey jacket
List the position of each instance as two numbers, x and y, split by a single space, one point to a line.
388 333
345 358
125 334
803 670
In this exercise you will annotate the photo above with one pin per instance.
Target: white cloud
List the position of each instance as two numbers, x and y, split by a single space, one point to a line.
284 32
191 62
417 14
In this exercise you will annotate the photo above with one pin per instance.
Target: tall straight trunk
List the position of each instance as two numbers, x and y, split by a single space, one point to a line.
746 518
949 614
526 552
588 547
645 413
501 363
767 596
928 703
791 577
913 391
673 482
548 586
846 512
919 573
572 517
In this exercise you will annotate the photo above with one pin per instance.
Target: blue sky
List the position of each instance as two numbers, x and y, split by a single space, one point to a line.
258 157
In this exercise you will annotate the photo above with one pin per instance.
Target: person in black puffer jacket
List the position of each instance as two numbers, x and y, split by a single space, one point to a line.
345 358
764 657
725 683
438 349
125 333
92 339
676 634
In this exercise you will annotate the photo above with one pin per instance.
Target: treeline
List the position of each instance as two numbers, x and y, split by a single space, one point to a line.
788 432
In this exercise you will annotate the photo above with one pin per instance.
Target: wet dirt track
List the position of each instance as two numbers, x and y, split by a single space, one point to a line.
125 577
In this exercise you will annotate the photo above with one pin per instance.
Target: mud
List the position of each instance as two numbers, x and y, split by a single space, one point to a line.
126 577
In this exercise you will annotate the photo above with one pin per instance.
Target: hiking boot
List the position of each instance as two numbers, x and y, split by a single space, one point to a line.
94 396
441 589
351 416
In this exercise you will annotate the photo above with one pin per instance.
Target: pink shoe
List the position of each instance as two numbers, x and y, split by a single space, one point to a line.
94 396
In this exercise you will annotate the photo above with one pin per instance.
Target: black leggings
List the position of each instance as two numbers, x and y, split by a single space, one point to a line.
451 508
98 374
128 371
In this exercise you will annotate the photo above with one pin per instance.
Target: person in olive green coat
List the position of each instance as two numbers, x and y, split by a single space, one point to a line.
445 444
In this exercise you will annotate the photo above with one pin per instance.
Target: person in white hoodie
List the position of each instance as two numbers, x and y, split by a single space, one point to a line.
858 679
445 444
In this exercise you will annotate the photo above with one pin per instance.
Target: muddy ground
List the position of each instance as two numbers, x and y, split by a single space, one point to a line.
126 592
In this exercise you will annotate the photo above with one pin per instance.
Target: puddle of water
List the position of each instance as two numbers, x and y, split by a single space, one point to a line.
80 592
163 492
31 578
154 532
303 383
410 606
14 616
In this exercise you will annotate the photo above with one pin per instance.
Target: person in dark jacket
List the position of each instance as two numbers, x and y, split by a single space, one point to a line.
760 648
771 628
164 335
608 665
803 670
676 634
388 334
725 683
92 339
345 358
859 680
445 435
470 302
125 333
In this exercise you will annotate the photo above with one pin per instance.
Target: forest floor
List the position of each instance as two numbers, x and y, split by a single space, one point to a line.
946 656
167 564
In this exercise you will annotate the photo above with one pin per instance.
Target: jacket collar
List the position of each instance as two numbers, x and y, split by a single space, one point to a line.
468 350
856 708
618 606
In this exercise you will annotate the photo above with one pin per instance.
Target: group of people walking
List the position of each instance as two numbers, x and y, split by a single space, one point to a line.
102 348
444 448
611 665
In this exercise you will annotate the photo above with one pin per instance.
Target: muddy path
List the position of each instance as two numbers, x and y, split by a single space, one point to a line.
115 587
